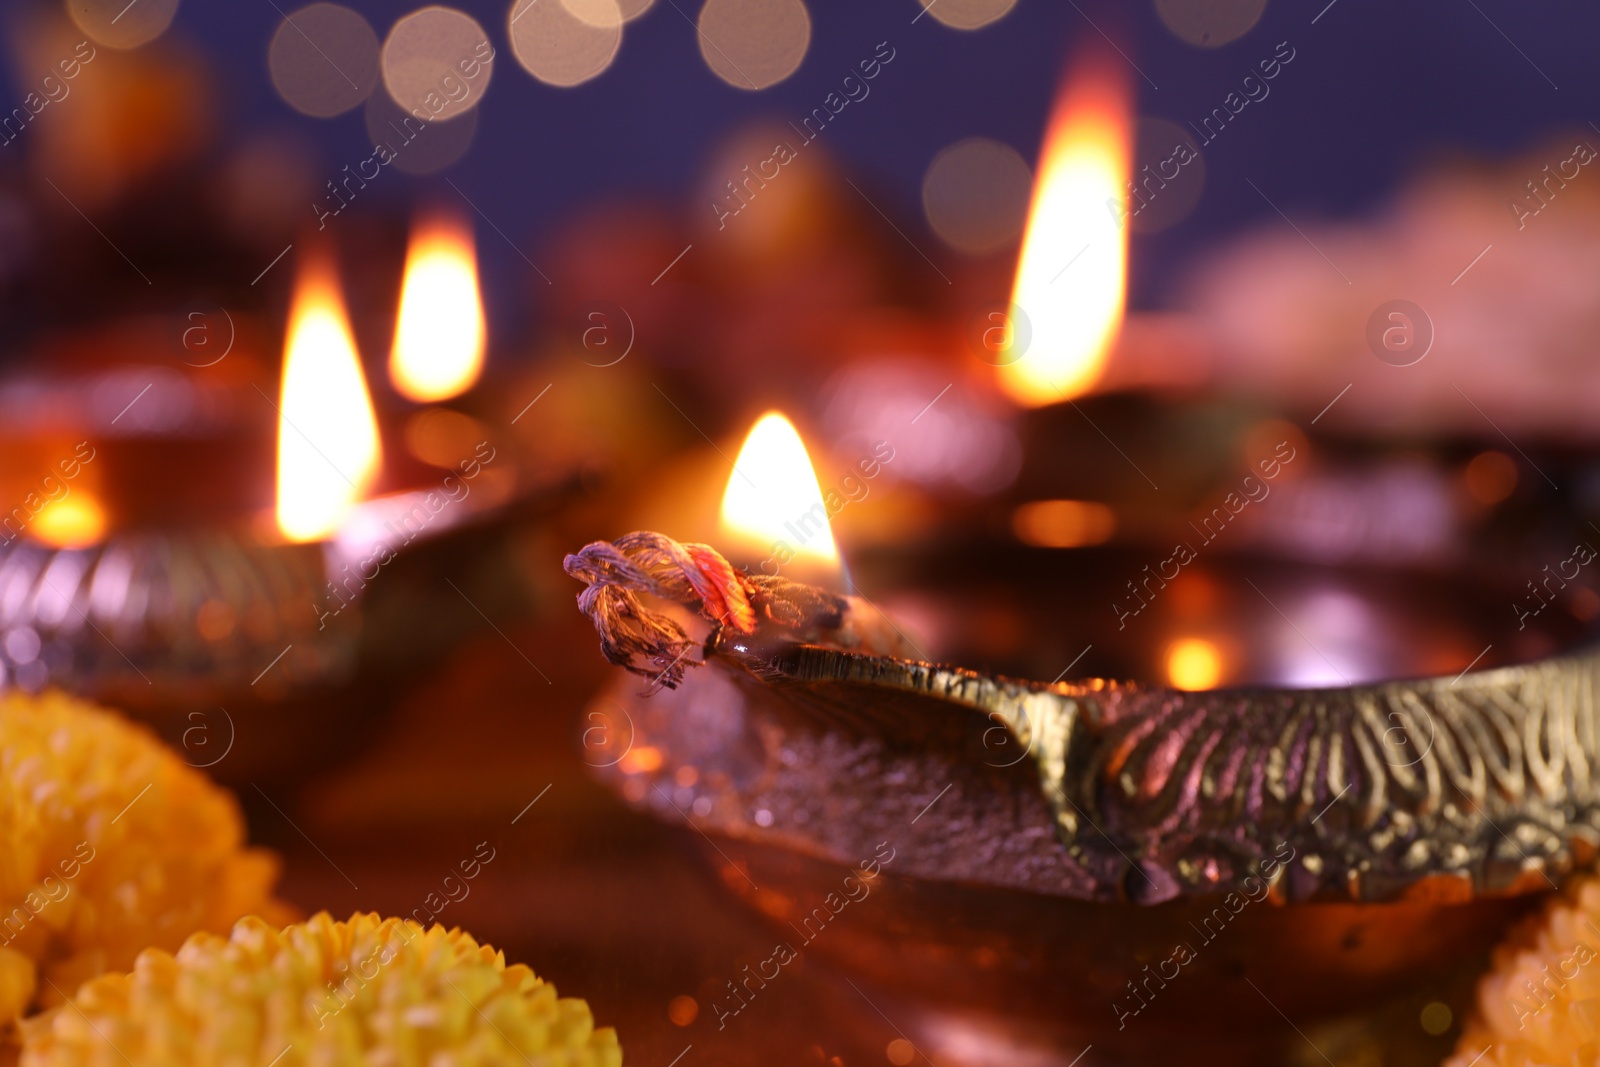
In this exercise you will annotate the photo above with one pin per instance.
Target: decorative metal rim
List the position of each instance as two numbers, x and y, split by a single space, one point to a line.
1434 788
166 608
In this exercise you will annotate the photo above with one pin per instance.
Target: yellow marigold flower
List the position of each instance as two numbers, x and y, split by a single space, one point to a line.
109 844
1540 1001
323 993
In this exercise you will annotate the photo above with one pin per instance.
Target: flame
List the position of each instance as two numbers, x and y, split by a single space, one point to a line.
1194 663
74 521
773 503
439 333
327 432
1072 275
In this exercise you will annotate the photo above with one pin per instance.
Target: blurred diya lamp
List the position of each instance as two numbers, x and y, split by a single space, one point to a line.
1097 862
141 570
1334 769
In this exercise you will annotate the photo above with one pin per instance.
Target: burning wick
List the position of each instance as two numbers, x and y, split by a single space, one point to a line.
653 644
773 485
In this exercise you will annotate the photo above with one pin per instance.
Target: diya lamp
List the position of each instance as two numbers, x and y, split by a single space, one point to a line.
1187 820
144 571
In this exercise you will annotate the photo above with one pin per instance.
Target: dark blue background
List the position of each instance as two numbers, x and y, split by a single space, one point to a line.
1375 88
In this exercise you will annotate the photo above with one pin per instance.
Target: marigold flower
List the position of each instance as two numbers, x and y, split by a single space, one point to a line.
1540 1001
109 844
369 991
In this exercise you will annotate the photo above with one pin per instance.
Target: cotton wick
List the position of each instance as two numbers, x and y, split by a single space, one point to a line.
653 644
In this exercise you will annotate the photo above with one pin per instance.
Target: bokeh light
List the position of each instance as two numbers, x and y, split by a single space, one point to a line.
1169 176
632 9
967 14
683 1010
119 24
754 44
900 1052
1208 23
74 521
439 331
1490 477
565 42
1436 1017
1193 663
1063 523
323 60
437 63
418 147
975 195
964 440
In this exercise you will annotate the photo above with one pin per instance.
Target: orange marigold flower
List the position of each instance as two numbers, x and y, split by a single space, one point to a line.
324 993
109 844
1540 1001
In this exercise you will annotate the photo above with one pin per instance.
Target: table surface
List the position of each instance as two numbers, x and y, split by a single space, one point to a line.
607 903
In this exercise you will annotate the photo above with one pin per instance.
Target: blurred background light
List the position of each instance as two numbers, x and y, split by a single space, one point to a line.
1193 663
1063 523
437 63
428 150
119 24
323 60
754 44
975 195
1169 175
967 14
1210 23
565 42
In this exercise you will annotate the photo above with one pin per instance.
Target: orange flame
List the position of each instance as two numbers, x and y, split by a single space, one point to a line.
439 333
1071 281
327 432
773 503
74 521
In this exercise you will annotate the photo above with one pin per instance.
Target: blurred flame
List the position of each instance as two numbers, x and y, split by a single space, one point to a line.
1072 274
773 497
439 333
327 432
1194 663
74 521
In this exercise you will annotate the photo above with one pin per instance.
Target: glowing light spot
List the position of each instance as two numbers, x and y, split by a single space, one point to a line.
642 760
119 24
683 1010
1491 477
1063 523
75 521
323 60
773 495
1210 23
754 44
327 432
439 332
975 195
410 144
443 437
1193 663
437 63
565 42
1072 274
967 14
